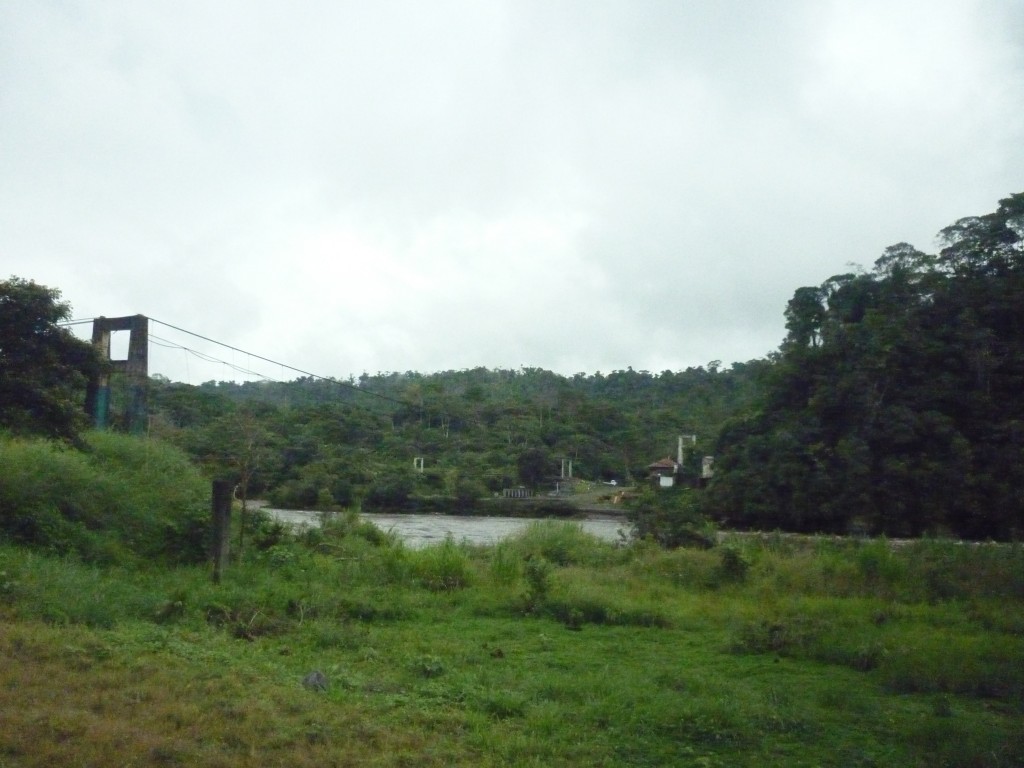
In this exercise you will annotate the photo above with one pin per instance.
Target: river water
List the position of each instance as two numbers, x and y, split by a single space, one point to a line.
422 530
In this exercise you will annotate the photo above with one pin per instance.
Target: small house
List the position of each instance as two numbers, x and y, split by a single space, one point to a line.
662 473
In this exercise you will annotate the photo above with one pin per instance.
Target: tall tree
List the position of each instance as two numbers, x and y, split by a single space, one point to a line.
44 368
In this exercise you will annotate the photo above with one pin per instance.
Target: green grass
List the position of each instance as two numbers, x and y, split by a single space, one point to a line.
809 654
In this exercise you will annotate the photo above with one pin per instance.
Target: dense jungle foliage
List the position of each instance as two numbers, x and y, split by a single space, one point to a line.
320 443
896 402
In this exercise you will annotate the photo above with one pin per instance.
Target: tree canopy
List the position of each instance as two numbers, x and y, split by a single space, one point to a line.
896 403
43 368
477 430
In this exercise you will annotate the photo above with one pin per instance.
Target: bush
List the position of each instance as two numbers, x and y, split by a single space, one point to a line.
342 492
295 494
467 494
391 492
561 543
121 497
672 518
734 565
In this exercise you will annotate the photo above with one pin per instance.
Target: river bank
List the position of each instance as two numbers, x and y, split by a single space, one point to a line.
418 530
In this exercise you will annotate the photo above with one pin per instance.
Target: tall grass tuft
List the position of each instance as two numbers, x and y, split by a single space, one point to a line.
350 525
442 567
538 582
505 565
562 543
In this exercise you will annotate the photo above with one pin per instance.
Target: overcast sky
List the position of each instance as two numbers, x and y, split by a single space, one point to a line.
578 186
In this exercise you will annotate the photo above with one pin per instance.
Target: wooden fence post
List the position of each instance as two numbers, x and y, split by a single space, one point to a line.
222 493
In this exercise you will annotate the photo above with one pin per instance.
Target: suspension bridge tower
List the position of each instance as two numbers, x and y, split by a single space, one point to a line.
132 372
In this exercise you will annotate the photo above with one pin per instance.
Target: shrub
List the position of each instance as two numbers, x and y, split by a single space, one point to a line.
268 532
119 498
342 492
672 518
561 543
467 494
296 494
538 581
734 564
391 492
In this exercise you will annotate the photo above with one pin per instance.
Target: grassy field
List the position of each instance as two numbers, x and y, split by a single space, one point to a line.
550 649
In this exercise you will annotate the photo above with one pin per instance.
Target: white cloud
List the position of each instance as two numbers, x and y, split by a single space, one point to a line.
579 186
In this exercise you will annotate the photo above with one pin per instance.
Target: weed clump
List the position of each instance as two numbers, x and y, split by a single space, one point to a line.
348 526
505 565
443 567
538 582
428 666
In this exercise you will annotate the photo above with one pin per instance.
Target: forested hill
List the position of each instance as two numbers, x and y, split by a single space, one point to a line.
897 402
478 431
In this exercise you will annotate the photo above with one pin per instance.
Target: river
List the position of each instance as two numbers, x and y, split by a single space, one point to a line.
422 530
